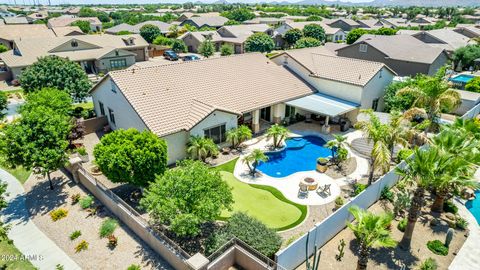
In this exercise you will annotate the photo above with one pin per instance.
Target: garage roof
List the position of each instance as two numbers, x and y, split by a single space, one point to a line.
323 104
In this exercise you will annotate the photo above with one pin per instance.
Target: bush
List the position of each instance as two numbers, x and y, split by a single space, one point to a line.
358 188
461 223
86 202
387 194
403 154
108 227
81 246
402 224
248 229
163 41
226 50
134 267
82 151
473 85
307 42
259 42
112 241
75 198
429 264
339 201
437 247
58 214
74 235
449 207
179 46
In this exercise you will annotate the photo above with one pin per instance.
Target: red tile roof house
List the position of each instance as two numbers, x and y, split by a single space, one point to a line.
227 91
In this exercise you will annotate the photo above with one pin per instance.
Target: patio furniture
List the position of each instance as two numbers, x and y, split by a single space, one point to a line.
310 183
302 191
226 150
325 189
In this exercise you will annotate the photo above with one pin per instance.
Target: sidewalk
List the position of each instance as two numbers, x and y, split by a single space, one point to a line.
32 242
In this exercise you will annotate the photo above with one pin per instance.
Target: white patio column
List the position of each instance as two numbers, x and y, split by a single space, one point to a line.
278 112
326 127
256 121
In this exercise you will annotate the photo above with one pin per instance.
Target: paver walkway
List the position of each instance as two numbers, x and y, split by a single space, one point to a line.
33 243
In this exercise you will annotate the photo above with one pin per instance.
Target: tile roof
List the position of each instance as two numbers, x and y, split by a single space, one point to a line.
164 27
453 39
323 64
21 31
300 25
67 30
188 91
66 21
15 20
213 21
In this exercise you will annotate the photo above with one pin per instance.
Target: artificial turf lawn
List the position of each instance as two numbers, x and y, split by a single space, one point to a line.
19 172
263 202
11 258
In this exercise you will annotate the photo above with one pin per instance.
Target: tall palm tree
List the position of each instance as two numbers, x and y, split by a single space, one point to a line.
253 159
433 95
397 132
376 134
278 133
371 231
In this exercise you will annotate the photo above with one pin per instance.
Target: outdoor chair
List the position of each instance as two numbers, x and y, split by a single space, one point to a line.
303 191
325 189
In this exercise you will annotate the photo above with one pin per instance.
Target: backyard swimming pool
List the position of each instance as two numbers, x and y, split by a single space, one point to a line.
299 155
474 206
462 78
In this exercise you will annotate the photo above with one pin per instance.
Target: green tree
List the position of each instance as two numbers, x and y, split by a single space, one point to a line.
83 25
38 140
473 85
292 36
131 156
315 31
259 42
149 32
179 46
186 197
253 159
226 50
355 34
123 32
371 231
465 56
56 72
3 204
206 48
231 22
394 102
236 136
3 104
385 31
3 48
239 14
307 42
314 18
278 133
162 40
57 100
201 147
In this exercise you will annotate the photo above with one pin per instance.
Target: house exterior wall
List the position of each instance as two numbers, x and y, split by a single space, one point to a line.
177 146
104 64
141 54
216 118
441 60
192 43
375 88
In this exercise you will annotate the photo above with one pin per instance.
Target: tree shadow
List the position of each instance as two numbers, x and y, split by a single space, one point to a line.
41 199
150 259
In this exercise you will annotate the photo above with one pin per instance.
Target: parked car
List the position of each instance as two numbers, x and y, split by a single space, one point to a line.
191 57
170 55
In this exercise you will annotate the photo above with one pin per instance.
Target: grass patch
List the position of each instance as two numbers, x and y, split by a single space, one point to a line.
108 227
84 105
7 261
227 167
18 172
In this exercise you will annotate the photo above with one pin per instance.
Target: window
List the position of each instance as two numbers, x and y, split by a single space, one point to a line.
74 43
113 87
289 111
363 48
375 104
102 109
118 63
381 73
111 114
217 134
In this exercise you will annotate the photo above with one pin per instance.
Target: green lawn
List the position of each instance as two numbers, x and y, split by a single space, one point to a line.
19 172
8 253
84 105
263 202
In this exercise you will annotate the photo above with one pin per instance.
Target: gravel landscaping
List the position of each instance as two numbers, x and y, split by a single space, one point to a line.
130 250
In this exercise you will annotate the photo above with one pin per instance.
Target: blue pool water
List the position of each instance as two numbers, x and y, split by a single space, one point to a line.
300 154
463 78
474 206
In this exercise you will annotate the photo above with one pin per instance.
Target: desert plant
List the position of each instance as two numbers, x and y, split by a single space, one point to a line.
358 188
81 246
401 202
341 250
75 198
449 237
450 207
108 227
201 147
86 202
339 201
387 194
429 264
59 267
437 247
461 223
134 267
402 224
112 241
74 235
58 214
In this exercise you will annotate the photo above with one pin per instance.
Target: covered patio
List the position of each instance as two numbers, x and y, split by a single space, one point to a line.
326 108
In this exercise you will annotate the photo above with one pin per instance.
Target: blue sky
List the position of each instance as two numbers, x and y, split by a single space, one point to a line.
56 2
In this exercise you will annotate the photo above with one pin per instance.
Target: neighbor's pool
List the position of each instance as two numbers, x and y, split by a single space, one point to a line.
462 78
300 154
474 206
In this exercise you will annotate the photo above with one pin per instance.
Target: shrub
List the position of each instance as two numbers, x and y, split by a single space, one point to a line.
437 247
449 207
86 202
307 42
429 264
112 241
74 235
81 246
59 267
58 214
134 267
226 50
461 223
339 201
108 227
402 224
404 154
75 198
82 151
358 188
387 194
179 46
473 85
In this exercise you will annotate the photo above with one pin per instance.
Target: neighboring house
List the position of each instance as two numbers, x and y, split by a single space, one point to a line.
469 100
342 23
353 80
37 16
265 20
95 23
372 24
187 15
404 54
468 30
8 33
67 31
5 13
235 35
15 20
446 39
246 88
332 34
205 21
95 53
135 29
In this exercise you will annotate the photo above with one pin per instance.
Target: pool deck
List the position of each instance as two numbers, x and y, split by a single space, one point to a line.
289 185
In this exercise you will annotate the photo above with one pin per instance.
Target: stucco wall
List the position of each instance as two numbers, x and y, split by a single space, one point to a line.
437 64
375 88
192 43
104 64
177 146
214 119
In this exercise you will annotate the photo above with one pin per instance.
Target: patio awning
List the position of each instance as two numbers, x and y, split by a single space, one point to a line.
323 104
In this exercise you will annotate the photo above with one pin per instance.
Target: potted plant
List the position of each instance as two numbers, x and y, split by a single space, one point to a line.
339 202
82 153
322 164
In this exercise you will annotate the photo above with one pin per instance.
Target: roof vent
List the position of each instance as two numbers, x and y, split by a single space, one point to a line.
133 70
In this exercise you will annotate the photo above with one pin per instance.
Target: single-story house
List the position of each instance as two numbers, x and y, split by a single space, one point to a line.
468 30
205 21
135 29
265 20
445 38
332 34
404 54
187 15
95 23
372 24
356 81
16 20
342 23
95 53
251 90
10 33
469 100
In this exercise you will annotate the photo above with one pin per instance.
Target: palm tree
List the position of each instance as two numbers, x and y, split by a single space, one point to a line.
376 134
201 147
332 145
371 231
397 132
253 159
278 133
244 133
433 95
233 137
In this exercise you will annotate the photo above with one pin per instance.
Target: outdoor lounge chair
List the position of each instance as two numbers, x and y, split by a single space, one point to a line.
303 191
325 189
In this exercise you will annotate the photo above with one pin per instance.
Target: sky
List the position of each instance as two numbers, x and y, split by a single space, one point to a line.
57 2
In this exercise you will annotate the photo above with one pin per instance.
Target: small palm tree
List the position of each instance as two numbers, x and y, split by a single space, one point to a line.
371 231
278 133
232 137
332 145
336 144
244 133
201 147
253 159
